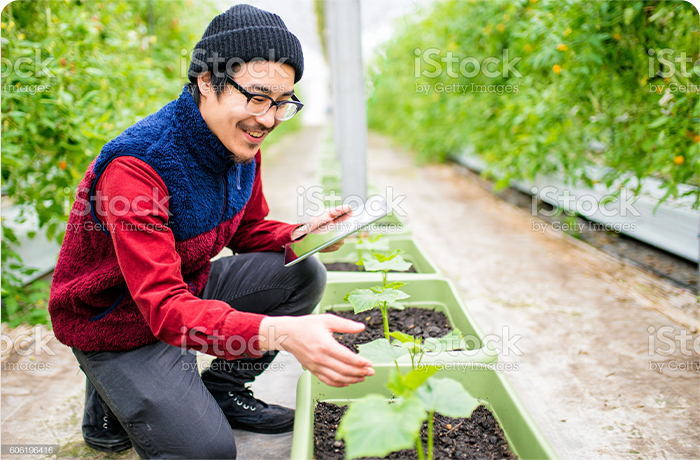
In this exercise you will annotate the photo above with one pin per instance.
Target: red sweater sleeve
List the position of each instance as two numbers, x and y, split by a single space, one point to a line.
254 233
145 249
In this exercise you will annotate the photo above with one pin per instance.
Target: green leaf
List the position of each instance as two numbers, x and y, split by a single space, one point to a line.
391 295
381 351
362 300
372 427
447 397
401 385
367 299
451 341
396 285
397 263
658 122
406 338
387 256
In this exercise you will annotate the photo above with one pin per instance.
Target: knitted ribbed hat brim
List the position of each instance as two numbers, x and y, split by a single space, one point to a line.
243 34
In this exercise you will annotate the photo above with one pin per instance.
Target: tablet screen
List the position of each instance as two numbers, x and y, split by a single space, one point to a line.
343 226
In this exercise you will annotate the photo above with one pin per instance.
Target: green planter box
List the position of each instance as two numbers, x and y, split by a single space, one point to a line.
426 292
524 437
411 251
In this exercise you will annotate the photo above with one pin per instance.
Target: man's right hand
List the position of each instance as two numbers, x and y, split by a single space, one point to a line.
310 339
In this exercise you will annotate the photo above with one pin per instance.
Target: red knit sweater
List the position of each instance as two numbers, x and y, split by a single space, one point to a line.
152 270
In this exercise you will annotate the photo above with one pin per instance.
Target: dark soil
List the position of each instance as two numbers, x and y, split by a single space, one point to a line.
352 267
476 437
420 322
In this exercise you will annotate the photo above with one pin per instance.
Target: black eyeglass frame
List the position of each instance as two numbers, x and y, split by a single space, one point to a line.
299 105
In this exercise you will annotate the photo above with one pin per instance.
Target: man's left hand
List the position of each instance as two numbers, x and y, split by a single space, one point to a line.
319 221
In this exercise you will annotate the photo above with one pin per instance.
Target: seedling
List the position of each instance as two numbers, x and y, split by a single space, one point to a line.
416 347
373 244
385 296
378 297
375 427
385 263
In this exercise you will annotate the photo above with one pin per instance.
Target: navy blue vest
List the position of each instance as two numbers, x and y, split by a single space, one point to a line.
205 185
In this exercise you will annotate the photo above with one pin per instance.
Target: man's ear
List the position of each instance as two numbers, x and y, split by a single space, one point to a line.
204 83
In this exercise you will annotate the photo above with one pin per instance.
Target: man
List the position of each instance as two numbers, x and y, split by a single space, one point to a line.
134 287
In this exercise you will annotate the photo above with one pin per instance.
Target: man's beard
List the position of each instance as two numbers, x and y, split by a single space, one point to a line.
259 128
238 160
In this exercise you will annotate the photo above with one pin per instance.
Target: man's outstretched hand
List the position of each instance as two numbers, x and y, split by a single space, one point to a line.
310 339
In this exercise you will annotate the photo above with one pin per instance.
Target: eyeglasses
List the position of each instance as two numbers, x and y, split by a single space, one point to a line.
259 104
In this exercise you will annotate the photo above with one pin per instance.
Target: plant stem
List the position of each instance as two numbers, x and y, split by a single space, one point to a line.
431 415
419 447
384 275
385 320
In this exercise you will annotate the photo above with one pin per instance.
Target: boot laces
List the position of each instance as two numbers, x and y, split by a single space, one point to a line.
245 399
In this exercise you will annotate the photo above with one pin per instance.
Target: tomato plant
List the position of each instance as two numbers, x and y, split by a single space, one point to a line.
589 83
74 75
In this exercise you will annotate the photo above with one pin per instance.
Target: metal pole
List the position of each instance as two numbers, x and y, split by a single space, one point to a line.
349 109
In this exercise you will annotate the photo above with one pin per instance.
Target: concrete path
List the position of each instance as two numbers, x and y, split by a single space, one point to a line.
591 335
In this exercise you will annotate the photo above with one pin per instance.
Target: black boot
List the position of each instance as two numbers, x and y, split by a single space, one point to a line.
101 429
245 412
226 381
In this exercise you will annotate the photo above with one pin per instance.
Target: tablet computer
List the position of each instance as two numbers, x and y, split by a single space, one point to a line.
339 228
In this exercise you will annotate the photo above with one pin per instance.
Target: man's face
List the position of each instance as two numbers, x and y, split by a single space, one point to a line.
227 116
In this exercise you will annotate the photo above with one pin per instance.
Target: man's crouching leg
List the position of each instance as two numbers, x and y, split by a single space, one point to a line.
156 394
258 283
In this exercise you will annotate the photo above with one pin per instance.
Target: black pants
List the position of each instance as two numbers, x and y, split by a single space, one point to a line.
156 392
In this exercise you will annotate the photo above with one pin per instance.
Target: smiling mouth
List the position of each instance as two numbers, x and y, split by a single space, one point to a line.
254 134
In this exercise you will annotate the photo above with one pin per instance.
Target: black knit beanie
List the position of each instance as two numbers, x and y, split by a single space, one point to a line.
243 34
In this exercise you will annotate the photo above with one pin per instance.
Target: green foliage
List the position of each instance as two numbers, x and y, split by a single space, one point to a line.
447 397
406 385
379 351
386 263
367 299
27 306
586 79
451 341
374 427
90 70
